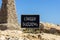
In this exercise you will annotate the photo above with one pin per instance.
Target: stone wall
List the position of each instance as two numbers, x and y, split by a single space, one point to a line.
8 14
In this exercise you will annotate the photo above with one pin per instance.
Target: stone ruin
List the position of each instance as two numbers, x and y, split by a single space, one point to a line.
8 17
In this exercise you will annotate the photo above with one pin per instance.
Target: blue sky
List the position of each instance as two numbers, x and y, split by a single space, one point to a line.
49 10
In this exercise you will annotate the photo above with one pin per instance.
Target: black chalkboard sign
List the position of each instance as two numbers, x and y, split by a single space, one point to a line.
29 21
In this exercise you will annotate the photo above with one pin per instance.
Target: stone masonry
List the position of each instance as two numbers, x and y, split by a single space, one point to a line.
8 18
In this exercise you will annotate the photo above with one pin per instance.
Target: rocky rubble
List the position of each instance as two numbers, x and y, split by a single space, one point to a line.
19 35
16 35
44 27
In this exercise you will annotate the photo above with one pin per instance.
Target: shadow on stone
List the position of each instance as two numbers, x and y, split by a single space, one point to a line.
3 27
